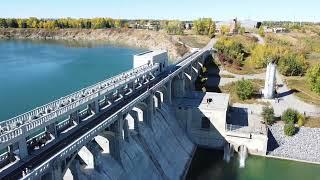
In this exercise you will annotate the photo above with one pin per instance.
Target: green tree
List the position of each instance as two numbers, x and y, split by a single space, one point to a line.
292 64
313 76
12 23
290 116
224 29
204 26
289 129
244 89
22 23
175 27
268 115
242 30
3 23
261 31
118 23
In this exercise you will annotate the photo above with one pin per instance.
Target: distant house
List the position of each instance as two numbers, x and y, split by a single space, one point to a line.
275 30
188 26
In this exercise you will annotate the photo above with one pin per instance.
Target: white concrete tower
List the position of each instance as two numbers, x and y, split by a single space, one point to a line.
270 82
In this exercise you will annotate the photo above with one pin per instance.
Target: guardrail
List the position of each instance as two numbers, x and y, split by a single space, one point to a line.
245 129
57 103
70 105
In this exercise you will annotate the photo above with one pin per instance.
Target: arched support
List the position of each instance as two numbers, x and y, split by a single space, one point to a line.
159 98
87 157
135 116
126 129
178 86
74 168
150 110
95 150
168 96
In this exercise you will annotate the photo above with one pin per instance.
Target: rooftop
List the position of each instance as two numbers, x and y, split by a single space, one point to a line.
151 53
208 100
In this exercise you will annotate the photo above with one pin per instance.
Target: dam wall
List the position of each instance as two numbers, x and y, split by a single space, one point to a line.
158 152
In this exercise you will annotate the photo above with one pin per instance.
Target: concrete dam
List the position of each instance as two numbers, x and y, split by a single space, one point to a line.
142 124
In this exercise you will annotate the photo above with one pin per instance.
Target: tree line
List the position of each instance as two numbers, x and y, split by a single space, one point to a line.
32 22
201 26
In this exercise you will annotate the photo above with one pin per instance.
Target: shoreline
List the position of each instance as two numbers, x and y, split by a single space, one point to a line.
135 38
291 159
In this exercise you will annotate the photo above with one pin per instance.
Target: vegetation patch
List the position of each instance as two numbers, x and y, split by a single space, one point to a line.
289 129
303 90
231 89
268 115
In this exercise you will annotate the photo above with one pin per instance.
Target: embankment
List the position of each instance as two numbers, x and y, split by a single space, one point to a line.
130 37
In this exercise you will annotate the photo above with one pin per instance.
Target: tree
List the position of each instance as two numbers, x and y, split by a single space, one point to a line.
22 23
118 23
175 27
261 31
292 64
268 115
313 76
204 26
242 30
3 23
289 129
224 29
244 89
290 116
12 23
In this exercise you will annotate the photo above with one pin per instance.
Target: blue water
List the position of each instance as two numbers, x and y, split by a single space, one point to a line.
33 73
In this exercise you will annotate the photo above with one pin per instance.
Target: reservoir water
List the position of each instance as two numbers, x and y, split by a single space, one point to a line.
33 73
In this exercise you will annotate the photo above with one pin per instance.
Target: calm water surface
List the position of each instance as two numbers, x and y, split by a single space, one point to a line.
32 73
209 164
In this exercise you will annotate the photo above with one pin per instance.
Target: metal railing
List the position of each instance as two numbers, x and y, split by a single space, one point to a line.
245 129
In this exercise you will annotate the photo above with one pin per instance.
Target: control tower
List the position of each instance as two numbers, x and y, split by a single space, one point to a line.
270 82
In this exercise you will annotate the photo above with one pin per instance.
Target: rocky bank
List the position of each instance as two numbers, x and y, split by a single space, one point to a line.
130 37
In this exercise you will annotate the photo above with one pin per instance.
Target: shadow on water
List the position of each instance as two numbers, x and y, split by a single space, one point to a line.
209 164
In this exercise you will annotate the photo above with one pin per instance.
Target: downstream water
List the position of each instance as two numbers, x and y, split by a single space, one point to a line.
209 164
32 73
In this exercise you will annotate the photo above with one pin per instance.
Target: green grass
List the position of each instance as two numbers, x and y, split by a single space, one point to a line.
303 90
231 89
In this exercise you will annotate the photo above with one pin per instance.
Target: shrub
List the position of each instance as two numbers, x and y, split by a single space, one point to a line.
261 31
244 89
268 114
292 65
289 129
290 116
313 75
230 50
301 120
262 54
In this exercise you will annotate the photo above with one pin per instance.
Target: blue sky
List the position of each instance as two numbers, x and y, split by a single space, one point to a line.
299 10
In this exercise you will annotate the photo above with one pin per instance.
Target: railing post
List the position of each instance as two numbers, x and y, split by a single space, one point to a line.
23 149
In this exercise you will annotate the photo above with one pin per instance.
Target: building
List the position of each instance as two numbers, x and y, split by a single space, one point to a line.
151 57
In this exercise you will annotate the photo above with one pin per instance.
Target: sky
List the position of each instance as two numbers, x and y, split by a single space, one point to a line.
292 10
